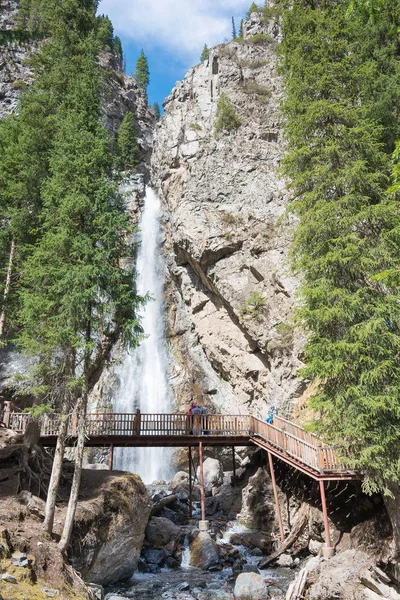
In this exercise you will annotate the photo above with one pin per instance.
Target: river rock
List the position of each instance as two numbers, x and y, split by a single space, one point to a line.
258 508
109 528
250 586
161 531
253 540
179 477
213 474
285 560
350 575
203 552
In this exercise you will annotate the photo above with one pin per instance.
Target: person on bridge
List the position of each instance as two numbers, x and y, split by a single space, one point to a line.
271 414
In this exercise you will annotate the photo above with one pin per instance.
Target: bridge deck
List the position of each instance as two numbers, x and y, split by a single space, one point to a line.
284 439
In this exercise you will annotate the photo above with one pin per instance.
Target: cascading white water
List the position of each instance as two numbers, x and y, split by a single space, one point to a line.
143 373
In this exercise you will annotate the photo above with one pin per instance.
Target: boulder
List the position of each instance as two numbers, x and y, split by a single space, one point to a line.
253 539
179 477
258 506
250 586
213 474
161 531
203 552
36 505
109 528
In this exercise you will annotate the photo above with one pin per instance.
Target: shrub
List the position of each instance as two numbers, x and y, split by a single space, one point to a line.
19 84
261 39
254 306
195 127
226 117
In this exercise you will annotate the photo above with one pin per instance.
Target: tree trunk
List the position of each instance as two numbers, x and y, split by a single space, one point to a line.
82 408
55 477
7 286
393 509
73 498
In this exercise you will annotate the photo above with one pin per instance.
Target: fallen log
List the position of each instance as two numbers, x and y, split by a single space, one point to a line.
296 588
158 506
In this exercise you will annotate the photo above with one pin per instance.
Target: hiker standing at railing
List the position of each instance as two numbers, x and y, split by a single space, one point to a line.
271 414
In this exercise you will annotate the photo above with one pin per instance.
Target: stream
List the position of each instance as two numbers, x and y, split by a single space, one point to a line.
191 583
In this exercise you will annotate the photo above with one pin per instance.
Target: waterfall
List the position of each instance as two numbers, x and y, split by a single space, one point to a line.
143 372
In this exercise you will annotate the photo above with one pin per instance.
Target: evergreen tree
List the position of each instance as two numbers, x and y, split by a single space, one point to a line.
205 53
234 34
241 30
127 146
253 8
226 118
105 32
156 111
142 73
118 52
341 119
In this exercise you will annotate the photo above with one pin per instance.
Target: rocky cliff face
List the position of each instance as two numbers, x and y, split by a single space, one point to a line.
230 294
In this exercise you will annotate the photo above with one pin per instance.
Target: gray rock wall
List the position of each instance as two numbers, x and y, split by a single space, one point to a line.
223 198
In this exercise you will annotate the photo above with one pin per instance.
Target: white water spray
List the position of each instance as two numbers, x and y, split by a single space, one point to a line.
143 373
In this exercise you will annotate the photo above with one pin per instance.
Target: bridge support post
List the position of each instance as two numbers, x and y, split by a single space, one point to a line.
233 464
190 483
111 457
203 524
278 508
328 550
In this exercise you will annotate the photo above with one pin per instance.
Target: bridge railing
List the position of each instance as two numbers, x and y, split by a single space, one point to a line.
307 448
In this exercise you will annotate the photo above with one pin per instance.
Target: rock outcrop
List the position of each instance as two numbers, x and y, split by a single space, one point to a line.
109 530
230 295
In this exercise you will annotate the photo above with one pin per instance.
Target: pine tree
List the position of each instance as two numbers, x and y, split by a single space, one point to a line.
226 118
105 32
241 30
253 8
341 119
127 146
156 111
234 34
205 53
118 52
142 73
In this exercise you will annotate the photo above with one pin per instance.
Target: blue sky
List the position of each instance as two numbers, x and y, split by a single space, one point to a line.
172 34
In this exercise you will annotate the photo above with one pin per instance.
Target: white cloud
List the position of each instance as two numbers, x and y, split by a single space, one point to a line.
178 26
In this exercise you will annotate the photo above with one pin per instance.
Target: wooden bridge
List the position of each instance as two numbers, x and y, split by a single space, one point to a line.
282 439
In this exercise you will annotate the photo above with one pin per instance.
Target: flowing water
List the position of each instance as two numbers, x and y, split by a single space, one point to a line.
143 373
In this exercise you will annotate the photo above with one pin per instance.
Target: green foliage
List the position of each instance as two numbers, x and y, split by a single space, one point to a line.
341 119
253 8
234 34
127 146
118 52
226 117
105 32
255 89
254 306
70 295
260 39
195 127
38 410
205 53
241 30
142 73
156 111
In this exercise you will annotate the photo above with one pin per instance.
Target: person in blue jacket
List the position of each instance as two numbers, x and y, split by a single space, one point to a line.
271 413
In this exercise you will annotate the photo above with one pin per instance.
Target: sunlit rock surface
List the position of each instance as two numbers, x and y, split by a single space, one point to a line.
223 198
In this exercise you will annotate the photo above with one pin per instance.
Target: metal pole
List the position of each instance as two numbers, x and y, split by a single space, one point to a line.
202 499
190 484
233 462
278 508
111 457
324 510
